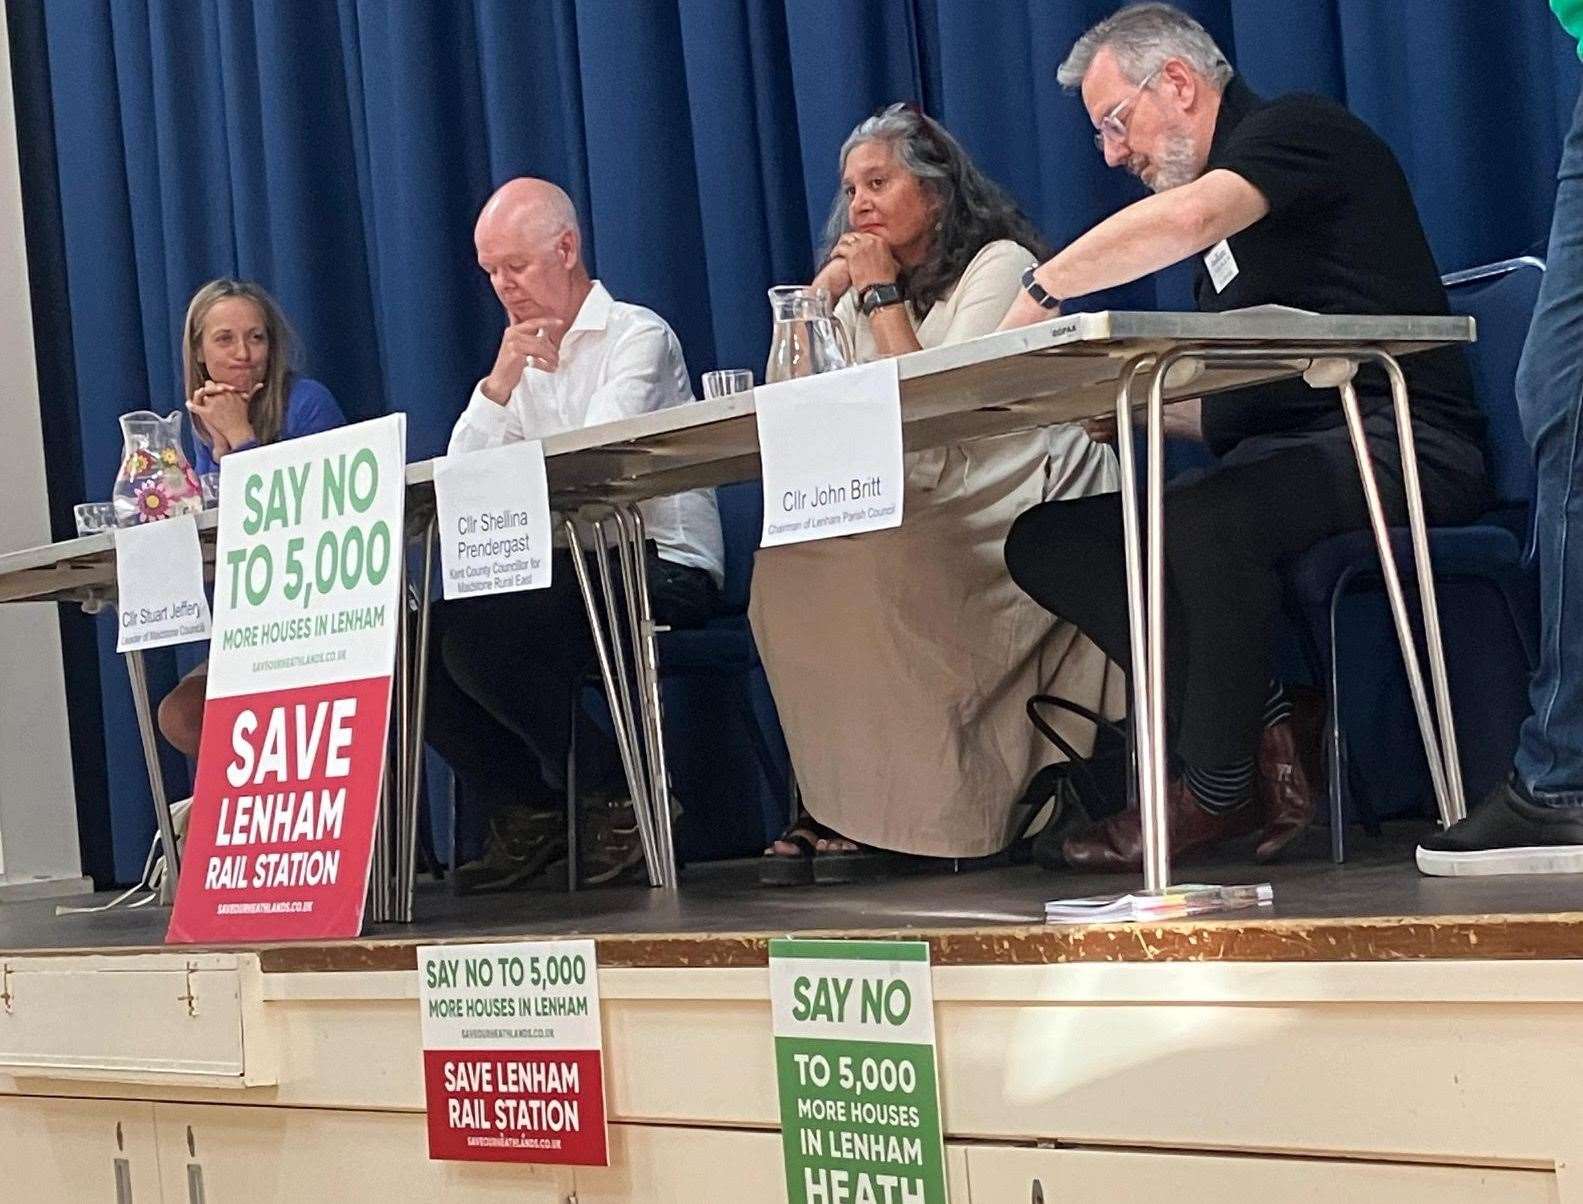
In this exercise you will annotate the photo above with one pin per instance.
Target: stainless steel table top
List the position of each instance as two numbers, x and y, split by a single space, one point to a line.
1058 371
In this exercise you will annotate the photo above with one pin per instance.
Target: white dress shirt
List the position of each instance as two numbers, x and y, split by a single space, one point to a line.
616 360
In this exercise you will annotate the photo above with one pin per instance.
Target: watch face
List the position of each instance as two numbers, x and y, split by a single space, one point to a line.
877 296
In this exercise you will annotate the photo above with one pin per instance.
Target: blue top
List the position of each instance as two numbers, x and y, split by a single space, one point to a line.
310 408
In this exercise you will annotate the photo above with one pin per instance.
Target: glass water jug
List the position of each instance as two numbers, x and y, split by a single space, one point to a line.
807 339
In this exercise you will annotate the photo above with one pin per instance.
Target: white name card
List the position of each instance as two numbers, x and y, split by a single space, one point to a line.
494 520
830 450
1222 265
159 585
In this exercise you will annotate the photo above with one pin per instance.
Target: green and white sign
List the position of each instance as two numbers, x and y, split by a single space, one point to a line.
855 1060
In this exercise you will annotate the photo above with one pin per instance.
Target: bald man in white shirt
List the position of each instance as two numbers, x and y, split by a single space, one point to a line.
504 668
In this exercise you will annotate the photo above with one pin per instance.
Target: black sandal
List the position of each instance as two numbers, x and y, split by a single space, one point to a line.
793 869
865 864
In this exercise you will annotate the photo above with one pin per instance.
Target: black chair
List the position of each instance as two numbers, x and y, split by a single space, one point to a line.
1494 552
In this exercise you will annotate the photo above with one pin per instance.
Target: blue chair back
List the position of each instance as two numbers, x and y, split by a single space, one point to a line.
741 521
1500 298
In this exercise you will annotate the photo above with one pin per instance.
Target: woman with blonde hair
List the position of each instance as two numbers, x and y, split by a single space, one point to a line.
241 384
243 391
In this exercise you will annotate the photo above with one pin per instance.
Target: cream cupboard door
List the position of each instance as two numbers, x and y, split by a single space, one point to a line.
244 1155
1003 1175
661 1164
77 1151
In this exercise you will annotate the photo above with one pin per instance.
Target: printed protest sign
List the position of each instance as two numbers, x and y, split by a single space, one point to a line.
855 1061
307 591
830 454
513 1052
159 585
493 508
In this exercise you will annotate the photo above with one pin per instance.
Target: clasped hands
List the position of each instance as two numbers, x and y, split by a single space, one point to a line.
224 412
856 261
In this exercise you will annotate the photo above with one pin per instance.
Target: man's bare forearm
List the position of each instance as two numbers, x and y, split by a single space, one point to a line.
1147 236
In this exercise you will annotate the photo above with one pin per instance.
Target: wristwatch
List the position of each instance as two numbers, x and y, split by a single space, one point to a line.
1036 290
878 296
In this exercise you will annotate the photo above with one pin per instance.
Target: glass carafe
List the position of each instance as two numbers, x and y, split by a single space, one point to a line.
807 339
155 480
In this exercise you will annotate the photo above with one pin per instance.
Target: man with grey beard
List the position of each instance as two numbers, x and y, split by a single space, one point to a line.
1294 202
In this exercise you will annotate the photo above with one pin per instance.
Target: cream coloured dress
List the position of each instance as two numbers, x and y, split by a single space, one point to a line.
901 660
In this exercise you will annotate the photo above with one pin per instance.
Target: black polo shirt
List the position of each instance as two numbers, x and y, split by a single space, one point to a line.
1343 237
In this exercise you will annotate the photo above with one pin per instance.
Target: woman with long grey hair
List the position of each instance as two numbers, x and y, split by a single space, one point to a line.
901 660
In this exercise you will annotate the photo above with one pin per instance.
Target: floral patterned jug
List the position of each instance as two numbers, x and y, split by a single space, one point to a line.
155 480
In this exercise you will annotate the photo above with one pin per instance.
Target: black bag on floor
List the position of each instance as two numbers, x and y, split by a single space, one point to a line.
1081 790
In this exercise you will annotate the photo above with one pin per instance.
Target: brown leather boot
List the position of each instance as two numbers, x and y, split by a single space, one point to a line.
1290 773
1117 843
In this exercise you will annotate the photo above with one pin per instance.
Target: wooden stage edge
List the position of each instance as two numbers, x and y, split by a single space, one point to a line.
1494 937
1375 908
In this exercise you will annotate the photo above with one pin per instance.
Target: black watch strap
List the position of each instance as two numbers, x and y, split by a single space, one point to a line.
1036 290
878 296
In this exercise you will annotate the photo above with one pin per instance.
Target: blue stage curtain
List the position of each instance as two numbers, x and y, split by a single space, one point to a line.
338 151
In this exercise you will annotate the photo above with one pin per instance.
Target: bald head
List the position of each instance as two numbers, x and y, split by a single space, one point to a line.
534 208
529 243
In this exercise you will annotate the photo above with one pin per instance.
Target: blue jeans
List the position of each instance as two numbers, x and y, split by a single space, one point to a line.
1549 757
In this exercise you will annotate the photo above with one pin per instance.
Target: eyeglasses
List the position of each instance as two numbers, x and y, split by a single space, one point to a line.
1111 127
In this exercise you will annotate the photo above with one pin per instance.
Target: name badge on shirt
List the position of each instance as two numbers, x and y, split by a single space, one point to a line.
1222 265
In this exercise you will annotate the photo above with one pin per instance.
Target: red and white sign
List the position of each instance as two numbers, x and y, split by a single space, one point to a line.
513 1062
307 597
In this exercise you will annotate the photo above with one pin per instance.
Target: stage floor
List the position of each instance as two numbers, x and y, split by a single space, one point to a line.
1375 907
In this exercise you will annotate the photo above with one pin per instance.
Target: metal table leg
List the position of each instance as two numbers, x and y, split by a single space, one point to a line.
1155 765
646 657
379 867
137 670
395 815
1156 837
393 872
626 681
1428 599
608 671
1329 367
618 643
1440 743
1332 367
419 679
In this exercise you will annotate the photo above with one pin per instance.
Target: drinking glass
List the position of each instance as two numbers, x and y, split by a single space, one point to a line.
727 381
93 517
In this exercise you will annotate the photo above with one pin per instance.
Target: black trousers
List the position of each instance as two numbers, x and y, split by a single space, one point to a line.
503 670
1227 528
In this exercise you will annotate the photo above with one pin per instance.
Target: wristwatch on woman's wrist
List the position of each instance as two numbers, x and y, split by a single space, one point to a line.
1036 290
878 296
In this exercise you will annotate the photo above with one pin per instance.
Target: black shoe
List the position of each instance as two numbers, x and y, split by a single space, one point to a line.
521 846
1507 834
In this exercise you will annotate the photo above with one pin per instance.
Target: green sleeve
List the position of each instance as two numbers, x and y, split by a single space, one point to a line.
1570 14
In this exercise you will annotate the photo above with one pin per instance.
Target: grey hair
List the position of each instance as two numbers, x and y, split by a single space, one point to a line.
1143 37
971 209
